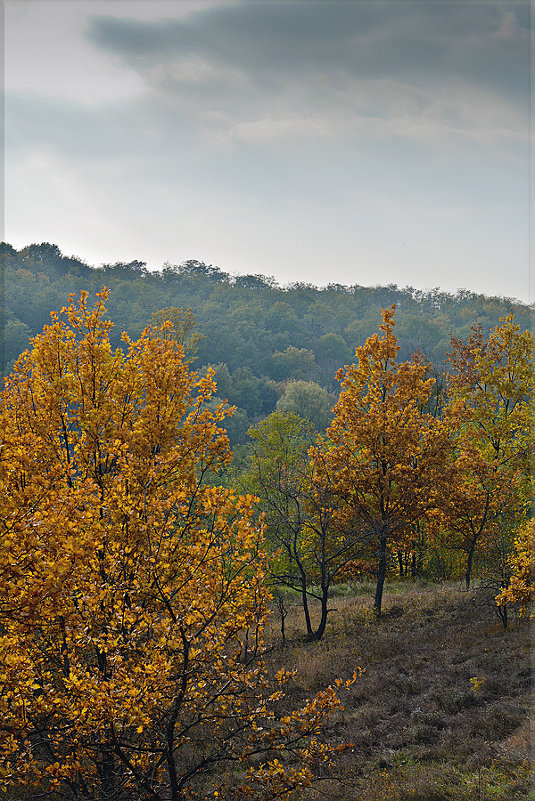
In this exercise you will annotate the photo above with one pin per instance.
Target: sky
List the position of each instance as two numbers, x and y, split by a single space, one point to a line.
325 142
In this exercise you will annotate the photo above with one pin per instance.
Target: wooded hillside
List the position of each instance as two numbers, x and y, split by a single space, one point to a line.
260 336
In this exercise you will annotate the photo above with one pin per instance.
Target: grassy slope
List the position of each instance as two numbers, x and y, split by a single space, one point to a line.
419 729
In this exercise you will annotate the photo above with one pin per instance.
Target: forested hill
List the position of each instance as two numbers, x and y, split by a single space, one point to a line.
261 335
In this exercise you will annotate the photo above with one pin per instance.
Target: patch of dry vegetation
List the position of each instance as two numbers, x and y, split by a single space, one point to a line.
441 712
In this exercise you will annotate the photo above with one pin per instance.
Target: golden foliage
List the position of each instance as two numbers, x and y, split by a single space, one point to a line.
128 586
521 588
386 456
491 412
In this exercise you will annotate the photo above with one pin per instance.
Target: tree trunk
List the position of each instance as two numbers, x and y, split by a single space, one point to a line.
400 563
323 620
468 573
304 598
107 776
283 612
380 576
502 610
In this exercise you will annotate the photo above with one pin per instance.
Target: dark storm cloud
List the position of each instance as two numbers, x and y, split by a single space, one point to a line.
482 43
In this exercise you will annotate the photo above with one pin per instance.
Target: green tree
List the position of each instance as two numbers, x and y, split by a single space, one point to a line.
307 552
332 353
14 338
296 363
309 400
256 395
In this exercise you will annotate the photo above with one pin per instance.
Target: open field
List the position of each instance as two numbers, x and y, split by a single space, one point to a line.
441 712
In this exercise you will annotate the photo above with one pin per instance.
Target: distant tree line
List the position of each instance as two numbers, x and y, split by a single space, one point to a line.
272 347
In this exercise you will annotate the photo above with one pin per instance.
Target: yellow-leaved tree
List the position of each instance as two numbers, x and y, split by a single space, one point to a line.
521 587
387 459
128 586
490 390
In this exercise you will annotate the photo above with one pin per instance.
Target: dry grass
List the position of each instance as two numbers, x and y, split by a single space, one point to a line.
440 713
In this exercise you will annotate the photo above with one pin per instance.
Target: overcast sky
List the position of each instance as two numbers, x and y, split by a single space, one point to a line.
349 142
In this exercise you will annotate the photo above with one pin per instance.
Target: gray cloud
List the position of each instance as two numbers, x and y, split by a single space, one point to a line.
265 71
482 42
280 79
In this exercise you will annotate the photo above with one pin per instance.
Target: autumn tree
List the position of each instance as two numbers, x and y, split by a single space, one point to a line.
128 585
491 395
521 586
386 457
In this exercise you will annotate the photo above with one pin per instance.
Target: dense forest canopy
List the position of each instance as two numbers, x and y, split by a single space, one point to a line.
260 336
